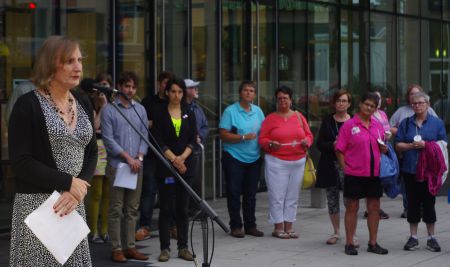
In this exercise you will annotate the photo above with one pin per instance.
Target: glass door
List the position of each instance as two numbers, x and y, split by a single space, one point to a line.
264 52
235 35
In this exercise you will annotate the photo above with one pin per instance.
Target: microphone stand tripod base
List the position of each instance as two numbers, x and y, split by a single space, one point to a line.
202 216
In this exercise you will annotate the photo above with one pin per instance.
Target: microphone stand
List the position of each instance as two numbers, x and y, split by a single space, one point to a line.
206 210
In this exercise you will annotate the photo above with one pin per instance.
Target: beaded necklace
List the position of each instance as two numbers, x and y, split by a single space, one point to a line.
55 107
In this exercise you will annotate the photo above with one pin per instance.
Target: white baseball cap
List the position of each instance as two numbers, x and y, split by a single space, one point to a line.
190 83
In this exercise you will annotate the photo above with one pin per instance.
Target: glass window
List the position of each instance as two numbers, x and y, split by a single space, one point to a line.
384 5
431 57
233 55
350 51
131 46
204 57
408 66
442 102
446 10
351 2
204 69
292 70
323 76
23 33
431 8
264 54
175 30
77 21
382 57
410 7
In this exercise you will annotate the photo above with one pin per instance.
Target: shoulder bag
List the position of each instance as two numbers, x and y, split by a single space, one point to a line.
309 175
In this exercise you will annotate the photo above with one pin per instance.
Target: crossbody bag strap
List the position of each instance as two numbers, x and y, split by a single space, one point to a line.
301 124
300 119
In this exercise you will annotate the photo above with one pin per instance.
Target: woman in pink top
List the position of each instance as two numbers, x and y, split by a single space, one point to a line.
358 149
285 136
381 117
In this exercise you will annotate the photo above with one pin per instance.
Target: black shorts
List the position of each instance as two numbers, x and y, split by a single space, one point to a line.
356 187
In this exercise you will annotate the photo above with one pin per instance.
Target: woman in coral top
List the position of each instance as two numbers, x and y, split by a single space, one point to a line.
285 136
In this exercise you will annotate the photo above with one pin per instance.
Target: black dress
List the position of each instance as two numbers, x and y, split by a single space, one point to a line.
327 174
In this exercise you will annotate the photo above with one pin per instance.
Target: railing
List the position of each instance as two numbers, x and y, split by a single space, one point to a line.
203 170
214 164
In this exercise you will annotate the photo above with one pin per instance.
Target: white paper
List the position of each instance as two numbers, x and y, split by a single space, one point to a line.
292 144
125 177
60 235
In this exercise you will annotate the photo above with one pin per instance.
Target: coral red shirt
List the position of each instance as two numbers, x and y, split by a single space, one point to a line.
288 132
354 141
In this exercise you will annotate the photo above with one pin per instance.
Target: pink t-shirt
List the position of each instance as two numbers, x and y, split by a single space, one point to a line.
288 132
383 120
354 141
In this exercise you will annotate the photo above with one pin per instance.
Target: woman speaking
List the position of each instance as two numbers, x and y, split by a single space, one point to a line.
52 146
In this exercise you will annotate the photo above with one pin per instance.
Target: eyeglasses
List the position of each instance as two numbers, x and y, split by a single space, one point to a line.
342 101
420 103
371 106
282 98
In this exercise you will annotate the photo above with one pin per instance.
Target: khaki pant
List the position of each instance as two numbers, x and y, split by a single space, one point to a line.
123 211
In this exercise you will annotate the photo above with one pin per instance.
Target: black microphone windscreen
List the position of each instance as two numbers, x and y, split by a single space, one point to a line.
87 85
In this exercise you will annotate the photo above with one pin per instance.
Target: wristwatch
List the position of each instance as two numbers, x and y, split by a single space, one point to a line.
140 158
242 137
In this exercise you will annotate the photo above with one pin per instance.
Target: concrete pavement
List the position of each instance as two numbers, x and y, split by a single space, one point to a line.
309 250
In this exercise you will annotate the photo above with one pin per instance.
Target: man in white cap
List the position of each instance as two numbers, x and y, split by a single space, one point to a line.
202 122
202 128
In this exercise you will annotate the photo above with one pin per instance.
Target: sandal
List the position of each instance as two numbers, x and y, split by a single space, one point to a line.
280 234
292 234
334 238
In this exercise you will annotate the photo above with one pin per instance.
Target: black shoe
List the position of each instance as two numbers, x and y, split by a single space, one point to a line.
404 214
432 245
351 250
411 244
377 249
383 215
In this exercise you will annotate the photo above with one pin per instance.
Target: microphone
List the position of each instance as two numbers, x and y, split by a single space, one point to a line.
89 85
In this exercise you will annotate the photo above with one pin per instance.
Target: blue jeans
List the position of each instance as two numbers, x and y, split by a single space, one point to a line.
241 179
149 190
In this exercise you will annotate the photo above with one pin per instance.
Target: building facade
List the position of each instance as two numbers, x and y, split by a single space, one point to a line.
315 47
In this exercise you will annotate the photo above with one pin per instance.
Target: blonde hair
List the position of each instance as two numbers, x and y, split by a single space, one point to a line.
54 51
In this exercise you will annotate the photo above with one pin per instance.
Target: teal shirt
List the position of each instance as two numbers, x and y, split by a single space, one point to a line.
235 117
